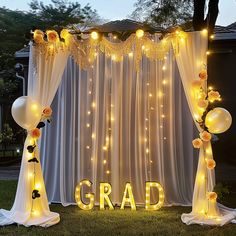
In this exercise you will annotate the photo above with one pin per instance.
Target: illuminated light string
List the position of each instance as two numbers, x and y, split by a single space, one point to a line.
97 40
90 117
32 158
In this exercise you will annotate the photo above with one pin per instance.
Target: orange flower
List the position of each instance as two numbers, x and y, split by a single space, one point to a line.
203 75
205 136
47 111
211 164
196 84
212 196
35 133
197 143
52 36
38 36
213 95
202 103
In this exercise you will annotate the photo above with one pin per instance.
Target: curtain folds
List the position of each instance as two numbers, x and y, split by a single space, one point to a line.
114 124
44 79
191 59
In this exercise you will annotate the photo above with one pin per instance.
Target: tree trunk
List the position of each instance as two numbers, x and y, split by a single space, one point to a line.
198 15
199 22
212 15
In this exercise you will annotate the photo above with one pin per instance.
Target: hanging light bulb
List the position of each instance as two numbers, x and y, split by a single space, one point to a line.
204 31
94 35
139 33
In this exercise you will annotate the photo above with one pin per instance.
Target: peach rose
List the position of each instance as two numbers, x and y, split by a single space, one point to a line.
197 143
212 196
35 133
196 84
205 136
211 164
52 36
202 103
38 36
203 75
213 95
47 111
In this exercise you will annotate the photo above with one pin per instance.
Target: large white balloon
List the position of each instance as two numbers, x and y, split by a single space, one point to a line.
26 112
218 120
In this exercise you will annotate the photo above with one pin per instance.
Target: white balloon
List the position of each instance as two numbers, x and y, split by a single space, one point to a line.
26 112
218 120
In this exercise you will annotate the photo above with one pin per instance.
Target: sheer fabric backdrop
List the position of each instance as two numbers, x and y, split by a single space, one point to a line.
140 129
116 124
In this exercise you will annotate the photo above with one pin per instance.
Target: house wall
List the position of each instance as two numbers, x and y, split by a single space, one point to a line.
222 75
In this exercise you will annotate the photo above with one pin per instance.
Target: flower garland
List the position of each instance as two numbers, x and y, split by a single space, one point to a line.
85 49
33 147
204 102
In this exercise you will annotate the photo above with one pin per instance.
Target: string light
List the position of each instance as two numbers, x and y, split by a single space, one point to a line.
205 32
94 35
139 33
93 104
114 57
164 82
38 186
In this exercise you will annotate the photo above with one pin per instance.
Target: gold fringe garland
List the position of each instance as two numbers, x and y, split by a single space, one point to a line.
85 51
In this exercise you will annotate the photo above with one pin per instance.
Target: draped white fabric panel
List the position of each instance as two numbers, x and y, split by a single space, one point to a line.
44 79
129 107
191 59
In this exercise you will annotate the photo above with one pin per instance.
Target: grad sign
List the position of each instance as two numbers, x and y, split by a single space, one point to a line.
128 197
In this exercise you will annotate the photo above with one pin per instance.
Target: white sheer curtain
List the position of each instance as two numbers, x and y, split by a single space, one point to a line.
191 60
44 79
139 129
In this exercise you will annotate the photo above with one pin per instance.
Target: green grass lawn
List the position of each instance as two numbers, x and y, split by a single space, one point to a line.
165 221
